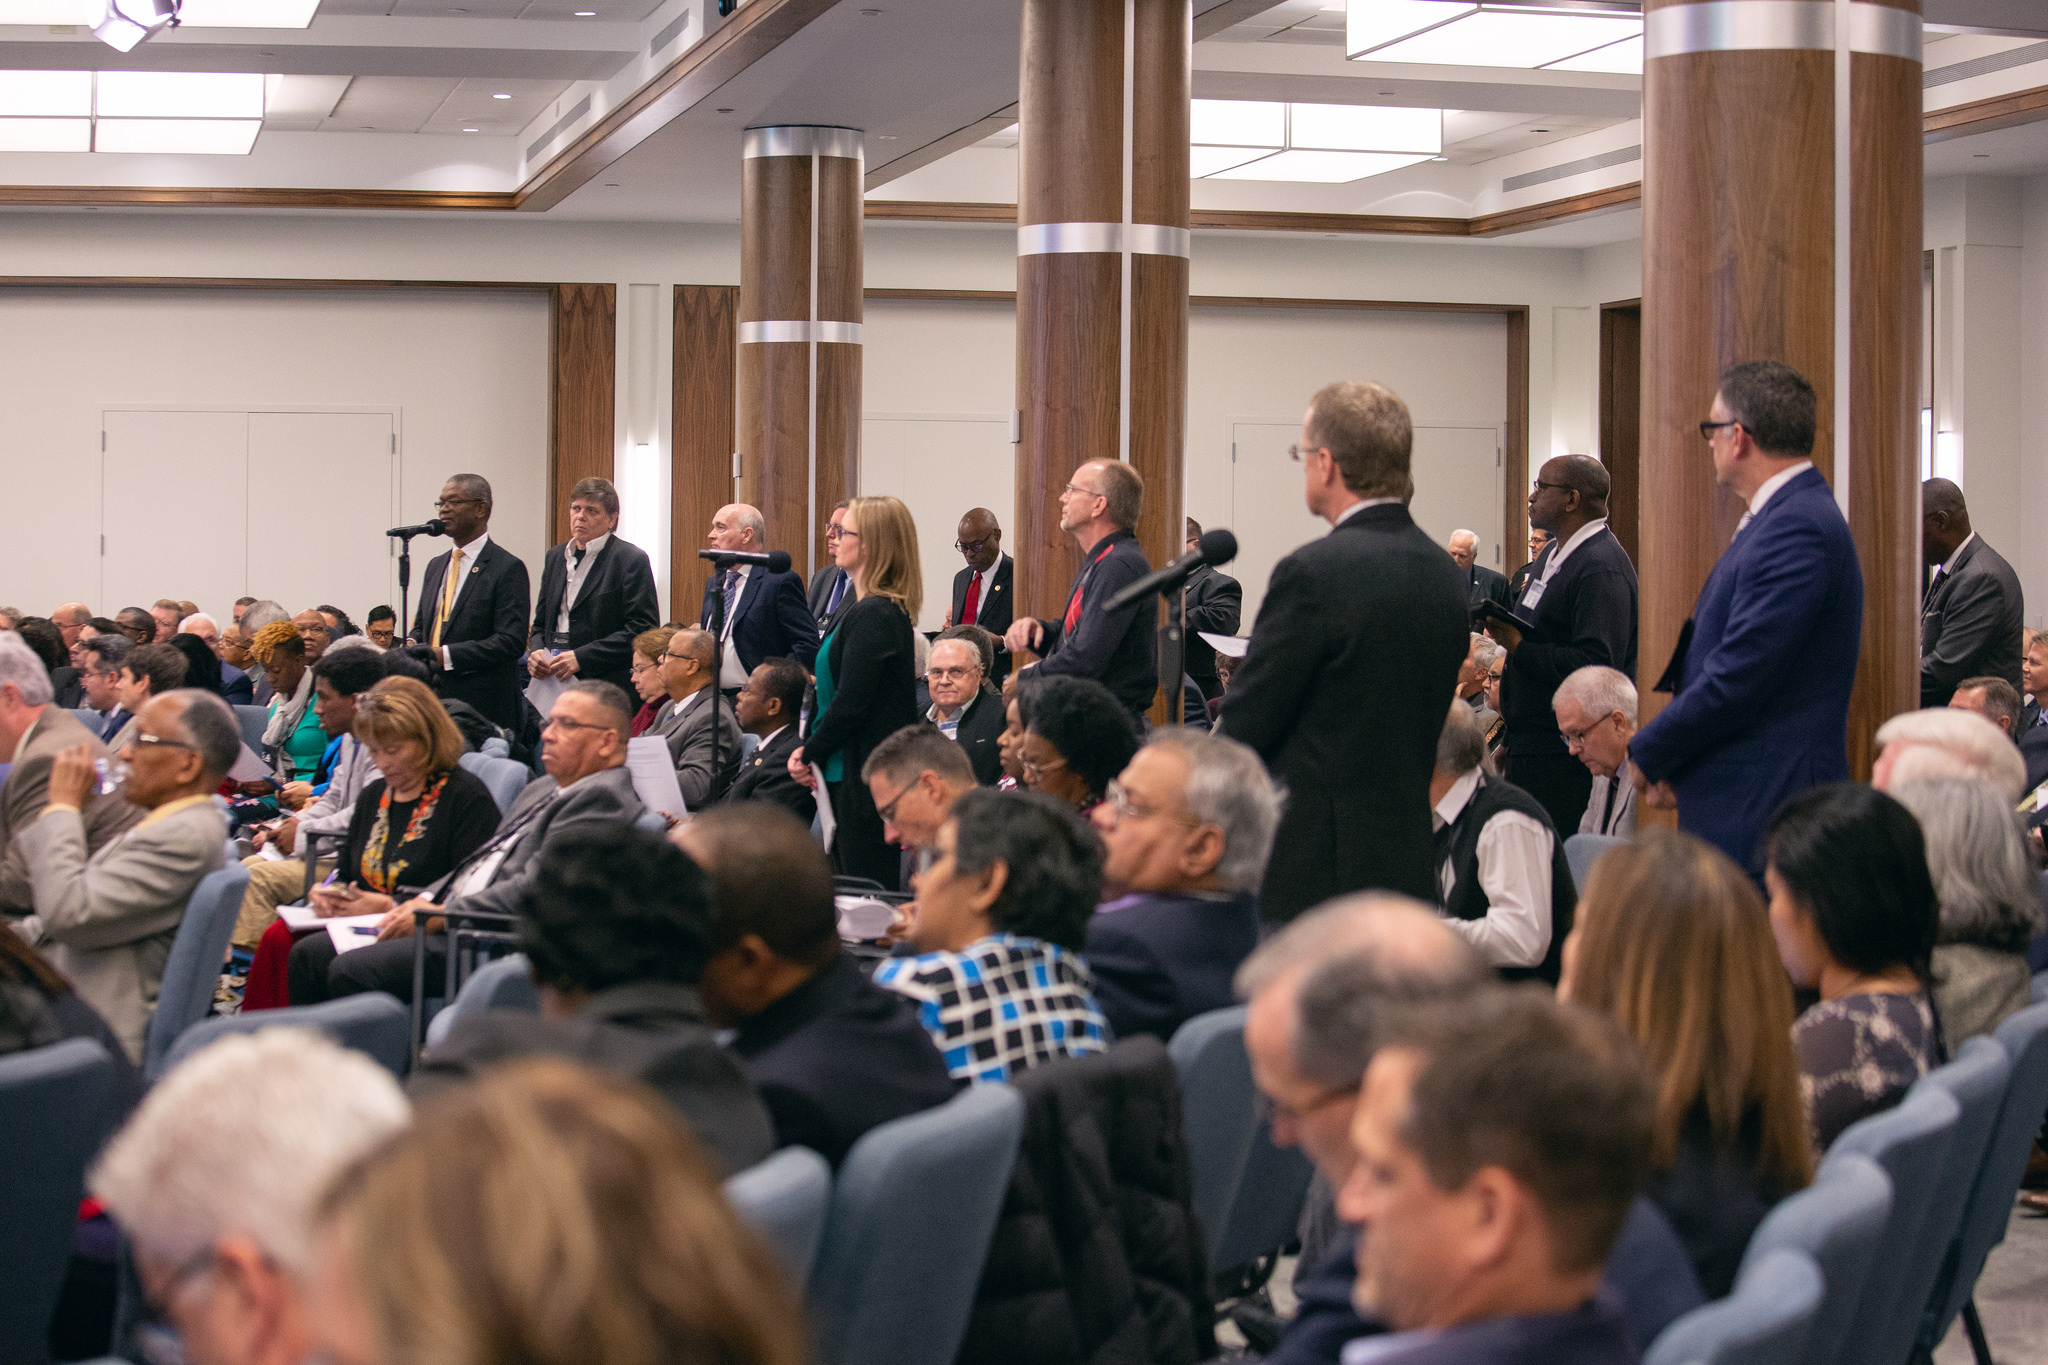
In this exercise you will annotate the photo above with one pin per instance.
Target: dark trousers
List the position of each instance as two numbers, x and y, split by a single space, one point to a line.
1560 783
858 848
315 972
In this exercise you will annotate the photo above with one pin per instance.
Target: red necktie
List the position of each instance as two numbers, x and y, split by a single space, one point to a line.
1074 606
973 603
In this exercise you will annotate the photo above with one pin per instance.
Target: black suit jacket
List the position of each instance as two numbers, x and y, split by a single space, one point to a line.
820 593
617 602
486 635
1161 960
1486 585
1343 692
1970 624
2033 741
765 777
1118 650
1215 603
1519 580
994 612
775 621
1587 616
981 725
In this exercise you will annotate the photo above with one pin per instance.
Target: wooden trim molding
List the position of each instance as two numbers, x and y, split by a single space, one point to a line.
218 282
239 197
1536 215
1985 116
582 372
1254 220
1250 220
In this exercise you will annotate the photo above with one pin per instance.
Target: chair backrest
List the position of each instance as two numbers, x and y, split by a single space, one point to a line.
192 970
505 983
506 777
1247 1192
1911 1142
372 1023
908 1230
56 1107
1976 1081
1581 851
1766 1321
254 720
1839 1221
784 1199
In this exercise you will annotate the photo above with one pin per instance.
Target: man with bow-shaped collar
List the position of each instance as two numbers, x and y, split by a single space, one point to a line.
470 628
596 594
1763 669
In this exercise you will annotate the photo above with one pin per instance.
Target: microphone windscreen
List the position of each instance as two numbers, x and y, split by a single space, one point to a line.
778 560
1218 547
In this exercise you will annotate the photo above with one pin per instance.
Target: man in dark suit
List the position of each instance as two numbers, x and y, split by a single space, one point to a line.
767 708
1971 613
830 1053
470 628
596 594
1481 583
964 707
1212 601
1352 664
830 588
765 613
1581 597
1099 508
1519 579
983 594
1764 667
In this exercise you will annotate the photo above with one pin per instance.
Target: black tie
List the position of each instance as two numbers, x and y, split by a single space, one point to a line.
577 555
1607 817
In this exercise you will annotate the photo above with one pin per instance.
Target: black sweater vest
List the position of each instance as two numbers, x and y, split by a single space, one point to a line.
1458 844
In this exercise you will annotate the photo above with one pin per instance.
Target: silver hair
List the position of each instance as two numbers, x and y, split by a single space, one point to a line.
210 727
1461 744
360 643
21 666
1940 741
1228 787
1485 649
1598 691
241 1139
1977 855
185 626
261 614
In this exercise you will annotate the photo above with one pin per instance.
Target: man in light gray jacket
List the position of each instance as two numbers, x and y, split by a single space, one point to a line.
106 919
686 719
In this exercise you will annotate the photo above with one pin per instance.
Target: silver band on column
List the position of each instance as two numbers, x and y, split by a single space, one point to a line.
755 333
1778 25
1143 239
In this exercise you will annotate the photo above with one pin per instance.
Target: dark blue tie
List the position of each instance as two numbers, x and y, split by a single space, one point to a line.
732 592
838 591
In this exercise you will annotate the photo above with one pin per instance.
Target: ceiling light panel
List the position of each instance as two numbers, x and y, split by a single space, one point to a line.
1624 58
1328 168
1366 128
1372 23
1212 160
198 137
81 13
45 135
46 93
1238 123
1506 38
181 94
246 13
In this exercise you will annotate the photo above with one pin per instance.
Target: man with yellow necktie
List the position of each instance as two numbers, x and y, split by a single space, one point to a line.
470 628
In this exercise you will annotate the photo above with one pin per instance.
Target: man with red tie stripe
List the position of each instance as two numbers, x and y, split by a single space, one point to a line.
982 592
1099 508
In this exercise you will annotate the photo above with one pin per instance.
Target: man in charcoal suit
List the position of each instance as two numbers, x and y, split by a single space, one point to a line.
470 628
1213 603
765 616
1971 612
767 709
831 589
596 594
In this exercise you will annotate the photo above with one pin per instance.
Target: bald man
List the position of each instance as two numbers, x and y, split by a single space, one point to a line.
982 592
1971 612
766 615
1481 583
70 619
686 720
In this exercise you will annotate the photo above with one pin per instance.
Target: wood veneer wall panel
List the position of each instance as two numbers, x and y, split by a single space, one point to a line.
1162 59
1621 420
1514 525
775 243
1071 113
774 436
839 239
583 365
1158 398
704 424
839 394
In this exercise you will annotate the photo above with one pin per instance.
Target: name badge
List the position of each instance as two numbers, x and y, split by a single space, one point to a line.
1533 594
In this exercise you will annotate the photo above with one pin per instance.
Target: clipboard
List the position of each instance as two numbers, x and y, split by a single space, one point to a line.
1490 610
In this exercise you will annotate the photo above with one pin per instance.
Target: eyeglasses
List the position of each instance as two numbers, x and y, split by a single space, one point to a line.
924 860
948 674
1122 808
1707 429
1296 453
144 737
1269 1109
1076 488
832 532
888 812
562 723
638 668
1034 770
444 504
844 533
1560 487
975 547
1574 739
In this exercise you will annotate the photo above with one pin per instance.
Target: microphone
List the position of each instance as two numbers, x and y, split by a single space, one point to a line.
1215 547
425 528
774 561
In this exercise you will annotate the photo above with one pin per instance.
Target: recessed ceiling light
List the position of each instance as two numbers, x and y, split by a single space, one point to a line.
469 130
725 111
501 97
180 94
1539 130
45 135
247 13
46 93
586 14
1507 38
611 184
1624 58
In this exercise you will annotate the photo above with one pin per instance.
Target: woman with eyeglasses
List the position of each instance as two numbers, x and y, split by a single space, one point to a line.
648 648
867 682
1078 738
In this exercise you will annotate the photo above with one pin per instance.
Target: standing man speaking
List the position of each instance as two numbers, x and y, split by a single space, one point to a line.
1352 664
470 628
596 594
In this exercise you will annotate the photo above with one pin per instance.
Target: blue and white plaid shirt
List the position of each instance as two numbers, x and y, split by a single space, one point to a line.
1003 1003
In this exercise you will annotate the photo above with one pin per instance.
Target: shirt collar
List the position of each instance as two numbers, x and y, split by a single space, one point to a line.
769 738
22 743
469 551
1949 565
590 550
1579 537
1355 508
1771 486
170 808
1455 800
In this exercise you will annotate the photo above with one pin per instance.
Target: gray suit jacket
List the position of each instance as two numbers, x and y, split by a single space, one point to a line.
689 744
543 812
1970 624
106 919
27 791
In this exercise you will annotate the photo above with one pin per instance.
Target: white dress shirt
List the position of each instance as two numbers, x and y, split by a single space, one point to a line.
1532 591
469 554
1355 508
1768 489
576 575
988 581
1514 870
730 672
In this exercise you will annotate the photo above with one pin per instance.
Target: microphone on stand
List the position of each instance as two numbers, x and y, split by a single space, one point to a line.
425 528
1215 547
774 561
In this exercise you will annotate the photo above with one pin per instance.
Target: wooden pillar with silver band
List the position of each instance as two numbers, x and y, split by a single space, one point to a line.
799 331
1781 221
1102 269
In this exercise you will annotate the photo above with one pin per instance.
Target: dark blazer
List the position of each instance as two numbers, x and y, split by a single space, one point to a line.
68 688
1215 603
872 656
981 725
1519 580
615 603
1343 692
2033 742
820 593
994 612
544 812
1587 616
1970 624
775 622
1486 585
1161 960
486 635
689 738
765 777
1119 651
1762 706
837 1056
236 687
653 1032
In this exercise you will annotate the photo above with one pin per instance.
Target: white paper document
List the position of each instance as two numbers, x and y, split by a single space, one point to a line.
1233 646
823 791
351 932
544 692
654 775
863 918
249 767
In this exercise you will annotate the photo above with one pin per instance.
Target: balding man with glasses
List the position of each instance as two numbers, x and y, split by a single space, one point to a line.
470 626
983 592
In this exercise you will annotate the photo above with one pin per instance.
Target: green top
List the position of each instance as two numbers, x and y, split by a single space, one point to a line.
304 746
835 766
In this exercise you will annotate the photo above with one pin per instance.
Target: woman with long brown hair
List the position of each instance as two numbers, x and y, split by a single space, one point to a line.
1673 942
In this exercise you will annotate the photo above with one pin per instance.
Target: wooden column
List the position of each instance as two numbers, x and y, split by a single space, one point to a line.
582 364
1740 235
701 477
1102 269
799 330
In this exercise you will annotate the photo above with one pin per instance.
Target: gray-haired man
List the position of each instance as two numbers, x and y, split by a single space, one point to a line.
763 615
1596 714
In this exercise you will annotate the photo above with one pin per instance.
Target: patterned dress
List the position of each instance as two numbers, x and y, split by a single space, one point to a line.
1001 1004
1858 1056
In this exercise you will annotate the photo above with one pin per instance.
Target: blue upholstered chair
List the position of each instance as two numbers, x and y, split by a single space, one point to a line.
1581 851
193 969
372 1023
1766 1321
784 1199
1839 1222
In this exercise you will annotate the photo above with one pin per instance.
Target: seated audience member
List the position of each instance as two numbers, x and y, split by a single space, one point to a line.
999 921
1500 1143
767 708
71 619
614 922
586 789
829 1052
381 626
1990 899
147 671
38 1008
316 632
292 739
339 627
1186 831
1596 713
202 665
236 688
915 776
1077 737
10 617
215 1178
1497 732
1472 677
47 641
1018 689
1941 742
689 675
622 1252
1674 944
138 625
1501 870
1853 910
166 614
964 707
99 671
106 918
1995 699
648 647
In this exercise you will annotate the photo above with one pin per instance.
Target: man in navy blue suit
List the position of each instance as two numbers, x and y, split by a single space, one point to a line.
766 614
1763 669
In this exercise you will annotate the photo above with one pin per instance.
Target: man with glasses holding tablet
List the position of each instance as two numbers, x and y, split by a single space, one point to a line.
474 606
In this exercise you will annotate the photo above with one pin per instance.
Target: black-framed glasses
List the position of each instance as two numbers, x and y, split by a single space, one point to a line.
564 723
444 504
1707 429
1560 487
1576 739
1268 1108
888 812
974 547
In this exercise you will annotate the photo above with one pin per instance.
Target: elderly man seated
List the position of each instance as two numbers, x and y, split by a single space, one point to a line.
1502 879
767 708
689 672
915 776
966 710
1995 699
1596 713
214 1181
106 918
236 687
1187 828
1940 741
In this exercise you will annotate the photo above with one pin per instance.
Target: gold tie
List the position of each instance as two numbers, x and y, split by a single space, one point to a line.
447 596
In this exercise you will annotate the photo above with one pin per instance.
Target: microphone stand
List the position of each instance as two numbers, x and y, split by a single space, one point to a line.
1173 652
405 583
722 567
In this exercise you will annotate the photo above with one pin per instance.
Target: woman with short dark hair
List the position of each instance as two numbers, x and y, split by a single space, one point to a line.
1077 738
